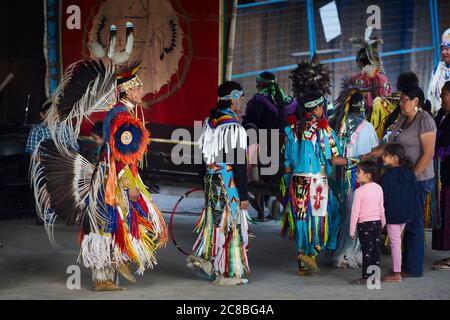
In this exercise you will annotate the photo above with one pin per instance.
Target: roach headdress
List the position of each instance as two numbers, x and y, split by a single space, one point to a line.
310 76
369 50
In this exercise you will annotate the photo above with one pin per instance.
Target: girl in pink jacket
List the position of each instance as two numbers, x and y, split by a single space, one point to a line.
368 216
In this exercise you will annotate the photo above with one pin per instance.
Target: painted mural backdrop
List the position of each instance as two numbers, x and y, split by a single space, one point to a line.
177 42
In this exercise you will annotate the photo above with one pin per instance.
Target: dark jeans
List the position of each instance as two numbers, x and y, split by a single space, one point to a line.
369 234
414 236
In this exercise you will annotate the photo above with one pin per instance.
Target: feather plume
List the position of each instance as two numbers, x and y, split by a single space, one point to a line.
348 89
310 77
62 183
87 86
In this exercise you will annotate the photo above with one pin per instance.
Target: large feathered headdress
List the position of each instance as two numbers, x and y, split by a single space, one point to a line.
310 76
369 49
350 97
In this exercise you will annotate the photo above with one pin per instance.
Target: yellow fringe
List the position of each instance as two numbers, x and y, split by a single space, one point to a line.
325 239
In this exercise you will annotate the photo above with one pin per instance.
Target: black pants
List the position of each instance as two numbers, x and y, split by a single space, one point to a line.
369 234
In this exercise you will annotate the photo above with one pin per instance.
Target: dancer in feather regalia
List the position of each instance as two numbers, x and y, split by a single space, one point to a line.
372 74
120 224
311 212
220 251
357 137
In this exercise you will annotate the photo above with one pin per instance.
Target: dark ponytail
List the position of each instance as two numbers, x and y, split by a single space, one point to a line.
395 149
301 121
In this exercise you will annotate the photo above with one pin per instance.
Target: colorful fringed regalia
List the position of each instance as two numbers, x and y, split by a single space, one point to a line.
357 137
311 213
120 224
221 248
372 72
382 108
441 75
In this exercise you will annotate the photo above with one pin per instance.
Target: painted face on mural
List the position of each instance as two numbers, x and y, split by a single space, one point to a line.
158 41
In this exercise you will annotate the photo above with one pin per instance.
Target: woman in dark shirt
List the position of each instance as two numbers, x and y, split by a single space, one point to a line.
441 236
416 132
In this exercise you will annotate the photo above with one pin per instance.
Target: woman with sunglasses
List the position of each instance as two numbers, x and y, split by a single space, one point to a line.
416 132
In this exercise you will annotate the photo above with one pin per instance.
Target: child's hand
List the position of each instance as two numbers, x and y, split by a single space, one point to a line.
353 237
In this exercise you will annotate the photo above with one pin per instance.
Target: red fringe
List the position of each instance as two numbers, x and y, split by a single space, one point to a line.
134 169
292 119
143 204
135 225
213 247
227 254
119 237
323 123
119 166
80 235
323 229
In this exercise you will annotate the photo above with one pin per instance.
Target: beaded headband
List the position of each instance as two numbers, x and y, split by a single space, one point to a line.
315 103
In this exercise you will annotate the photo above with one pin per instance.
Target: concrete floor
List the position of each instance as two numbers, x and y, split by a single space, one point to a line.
31 269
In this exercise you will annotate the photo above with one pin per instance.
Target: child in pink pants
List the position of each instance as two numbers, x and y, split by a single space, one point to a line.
399 185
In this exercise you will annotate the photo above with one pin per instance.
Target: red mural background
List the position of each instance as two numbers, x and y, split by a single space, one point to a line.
197 72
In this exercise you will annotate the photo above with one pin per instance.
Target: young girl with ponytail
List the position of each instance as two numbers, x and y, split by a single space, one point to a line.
399 185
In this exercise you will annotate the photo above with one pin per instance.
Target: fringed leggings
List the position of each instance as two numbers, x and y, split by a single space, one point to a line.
223 237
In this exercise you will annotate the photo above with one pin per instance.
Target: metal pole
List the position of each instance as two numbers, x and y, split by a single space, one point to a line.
434 33
231 41
311 27
438 34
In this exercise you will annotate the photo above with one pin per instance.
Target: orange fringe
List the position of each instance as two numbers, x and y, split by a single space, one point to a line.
110 191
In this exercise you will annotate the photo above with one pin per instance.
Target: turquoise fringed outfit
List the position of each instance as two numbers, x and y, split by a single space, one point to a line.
223 226
311 212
